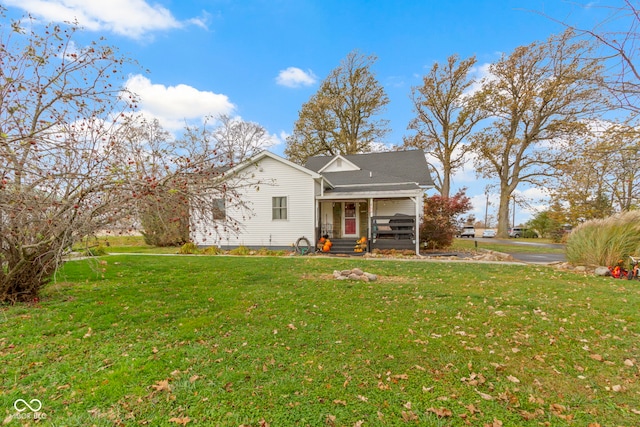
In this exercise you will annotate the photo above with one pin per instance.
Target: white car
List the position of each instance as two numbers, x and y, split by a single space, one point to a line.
489 233
468 231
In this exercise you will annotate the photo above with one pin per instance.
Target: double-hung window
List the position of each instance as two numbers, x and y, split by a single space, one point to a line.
219 210
279 208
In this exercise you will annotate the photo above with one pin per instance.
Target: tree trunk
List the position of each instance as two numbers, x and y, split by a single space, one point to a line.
503 213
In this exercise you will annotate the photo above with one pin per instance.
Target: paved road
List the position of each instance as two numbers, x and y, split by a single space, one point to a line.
535 258
538 258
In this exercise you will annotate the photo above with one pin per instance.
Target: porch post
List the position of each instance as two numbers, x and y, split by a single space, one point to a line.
369 224
318 222
417 225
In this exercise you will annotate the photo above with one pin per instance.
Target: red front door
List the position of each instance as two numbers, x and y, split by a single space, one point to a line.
350 219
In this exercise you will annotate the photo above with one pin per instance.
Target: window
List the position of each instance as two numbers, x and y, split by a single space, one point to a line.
219 210
279 208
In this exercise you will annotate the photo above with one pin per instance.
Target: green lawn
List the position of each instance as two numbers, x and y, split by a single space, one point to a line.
230 341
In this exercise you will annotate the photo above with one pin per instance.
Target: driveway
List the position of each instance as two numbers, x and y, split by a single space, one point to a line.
533 258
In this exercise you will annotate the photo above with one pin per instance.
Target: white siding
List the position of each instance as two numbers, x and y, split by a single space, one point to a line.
339 164
392 207
259 229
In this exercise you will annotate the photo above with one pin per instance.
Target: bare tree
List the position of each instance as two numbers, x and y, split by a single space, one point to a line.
617 36
58 183
239 139
537 97
67 167
445 117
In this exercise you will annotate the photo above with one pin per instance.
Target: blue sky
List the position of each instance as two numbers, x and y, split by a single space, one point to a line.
262 59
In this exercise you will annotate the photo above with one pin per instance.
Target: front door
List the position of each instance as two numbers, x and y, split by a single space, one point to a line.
350 219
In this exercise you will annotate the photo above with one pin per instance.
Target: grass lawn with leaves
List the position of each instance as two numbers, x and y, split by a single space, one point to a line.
257 341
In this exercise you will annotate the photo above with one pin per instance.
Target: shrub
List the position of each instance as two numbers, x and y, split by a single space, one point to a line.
270 252
188 248
212 250
165 219
96 251
439 222
605 241
240 250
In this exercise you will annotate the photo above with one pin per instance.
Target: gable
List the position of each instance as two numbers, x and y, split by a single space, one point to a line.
339 164
267 155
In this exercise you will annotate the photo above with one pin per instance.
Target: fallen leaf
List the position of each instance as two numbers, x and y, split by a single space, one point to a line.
292 326
88 334
513 379
440 412
194 378
162 386
181 420
531 415
472 409
597 357
409 416
330 420
358 423
340 402
363 398
485 396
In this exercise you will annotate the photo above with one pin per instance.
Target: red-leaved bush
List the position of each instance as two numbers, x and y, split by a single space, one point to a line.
440 219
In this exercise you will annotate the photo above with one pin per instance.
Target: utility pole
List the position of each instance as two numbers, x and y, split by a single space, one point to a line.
486 211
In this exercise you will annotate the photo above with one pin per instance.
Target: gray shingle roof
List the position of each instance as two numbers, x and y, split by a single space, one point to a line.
389 167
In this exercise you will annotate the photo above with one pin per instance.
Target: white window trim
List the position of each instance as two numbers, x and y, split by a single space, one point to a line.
286 208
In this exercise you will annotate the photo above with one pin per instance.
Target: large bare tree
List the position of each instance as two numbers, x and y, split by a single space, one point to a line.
537 97
57 101
68 166
445 117
239 139
617 36
340 117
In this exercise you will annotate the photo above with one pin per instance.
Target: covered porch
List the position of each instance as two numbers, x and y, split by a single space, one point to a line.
386 222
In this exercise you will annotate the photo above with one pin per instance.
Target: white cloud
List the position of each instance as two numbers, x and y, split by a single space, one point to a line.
129 18
173 105
295 77
479 73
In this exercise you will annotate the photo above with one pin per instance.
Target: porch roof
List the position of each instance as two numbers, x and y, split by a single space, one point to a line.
396 191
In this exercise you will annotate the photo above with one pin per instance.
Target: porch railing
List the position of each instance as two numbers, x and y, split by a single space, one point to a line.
397 227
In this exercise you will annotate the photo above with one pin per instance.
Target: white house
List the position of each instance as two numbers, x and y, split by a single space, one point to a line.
374 195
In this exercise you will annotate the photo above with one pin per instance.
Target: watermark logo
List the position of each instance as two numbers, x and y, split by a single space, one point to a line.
21 405
33 405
